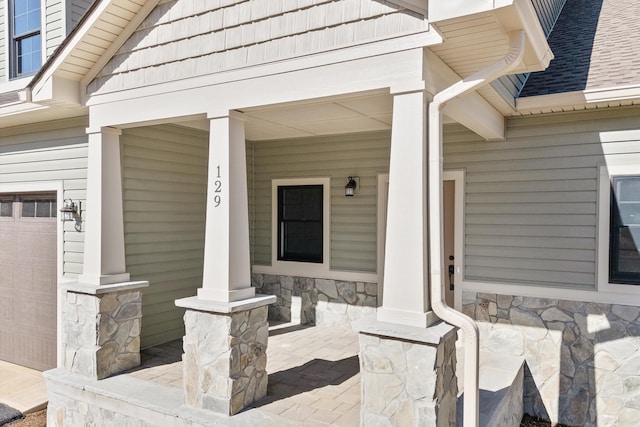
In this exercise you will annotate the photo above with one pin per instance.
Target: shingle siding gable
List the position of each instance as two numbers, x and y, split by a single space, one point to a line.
181 38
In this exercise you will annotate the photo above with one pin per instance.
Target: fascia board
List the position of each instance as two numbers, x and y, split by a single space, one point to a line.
578 98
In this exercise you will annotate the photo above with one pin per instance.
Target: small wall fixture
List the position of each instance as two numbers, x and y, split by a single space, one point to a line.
350 188
70 210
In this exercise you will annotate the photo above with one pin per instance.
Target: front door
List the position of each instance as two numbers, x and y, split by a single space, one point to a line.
449 201
448 219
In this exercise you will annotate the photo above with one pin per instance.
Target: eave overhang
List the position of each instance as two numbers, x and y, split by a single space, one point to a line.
614 96
105 26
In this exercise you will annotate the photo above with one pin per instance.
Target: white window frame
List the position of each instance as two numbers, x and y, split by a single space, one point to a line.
11 49
604 216
299 268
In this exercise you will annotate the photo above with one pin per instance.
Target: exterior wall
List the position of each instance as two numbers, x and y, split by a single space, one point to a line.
4 69
164 192
76 11
54 28
353 219
51 151
181 38
582 358
531 200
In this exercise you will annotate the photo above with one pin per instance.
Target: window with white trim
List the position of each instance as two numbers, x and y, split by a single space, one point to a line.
624 230
300 223
301 218
26 40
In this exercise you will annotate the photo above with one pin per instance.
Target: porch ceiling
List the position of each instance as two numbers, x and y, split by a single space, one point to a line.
361 113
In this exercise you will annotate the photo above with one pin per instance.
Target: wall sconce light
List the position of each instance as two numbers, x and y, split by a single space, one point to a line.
70 210
350 188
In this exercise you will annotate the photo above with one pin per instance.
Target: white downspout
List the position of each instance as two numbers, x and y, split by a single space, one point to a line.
436 262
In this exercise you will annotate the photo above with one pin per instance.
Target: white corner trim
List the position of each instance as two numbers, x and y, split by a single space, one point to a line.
604 197
293 268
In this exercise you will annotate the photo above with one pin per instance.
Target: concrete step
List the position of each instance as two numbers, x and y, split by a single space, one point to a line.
501 381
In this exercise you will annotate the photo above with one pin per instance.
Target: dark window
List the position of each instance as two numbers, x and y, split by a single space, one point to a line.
624 233
40 208
300 223
6 208
26 51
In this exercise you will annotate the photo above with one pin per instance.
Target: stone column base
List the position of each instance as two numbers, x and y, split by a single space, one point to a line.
225 353
407 374
101 328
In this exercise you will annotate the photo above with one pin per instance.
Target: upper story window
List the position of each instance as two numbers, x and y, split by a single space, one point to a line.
624 239
26 42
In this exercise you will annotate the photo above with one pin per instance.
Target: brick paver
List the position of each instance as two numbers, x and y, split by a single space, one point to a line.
314 375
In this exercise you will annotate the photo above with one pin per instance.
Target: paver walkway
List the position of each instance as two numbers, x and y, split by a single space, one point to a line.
314 375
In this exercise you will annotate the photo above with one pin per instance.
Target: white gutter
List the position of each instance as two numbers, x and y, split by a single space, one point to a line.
436 262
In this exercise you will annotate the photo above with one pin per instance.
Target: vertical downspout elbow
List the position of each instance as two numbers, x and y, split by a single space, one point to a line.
436 264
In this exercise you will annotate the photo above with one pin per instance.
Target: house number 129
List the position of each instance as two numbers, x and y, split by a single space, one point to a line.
217 189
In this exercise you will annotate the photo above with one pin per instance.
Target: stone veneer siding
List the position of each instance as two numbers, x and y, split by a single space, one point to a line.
583 358
101 333
407 383
225 359
322 302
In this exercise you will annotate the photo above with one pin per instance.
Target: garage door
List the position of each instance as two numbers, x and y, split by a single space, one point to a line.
28 280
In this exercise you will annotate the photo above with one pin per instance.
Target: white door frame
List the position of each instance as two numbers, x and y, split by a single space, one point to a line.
449 175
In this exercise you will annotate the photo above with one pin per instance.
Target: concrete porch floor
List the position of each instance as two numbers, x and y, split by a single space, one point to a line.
314 375
22 388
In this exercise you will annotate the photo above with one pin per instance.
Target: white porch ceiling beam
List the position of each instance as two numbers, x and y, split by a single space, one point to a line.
475 113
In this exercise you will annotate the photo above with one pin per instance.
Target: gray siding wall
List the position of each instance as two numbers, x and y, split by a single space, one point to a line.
51 151
531 201
353 219
185 38
164 192
76 11
548 12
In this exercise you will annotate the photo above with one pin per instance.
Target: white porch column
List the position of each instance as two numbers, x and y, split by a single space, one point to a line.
104 261
227 269
405 294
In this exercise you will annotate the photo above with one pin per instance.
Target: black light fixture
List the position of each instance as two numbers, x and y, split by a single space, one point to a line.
70 210
350 188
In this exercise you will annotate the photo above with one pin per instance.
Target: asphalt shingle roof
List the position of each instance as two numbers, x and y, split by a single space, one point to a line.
596 44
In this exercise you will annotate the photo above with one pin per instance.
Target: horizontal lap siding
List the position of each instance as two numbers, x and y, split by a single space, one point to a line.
164 184
51 151
78 8
353 219
55 25
531 201
4 66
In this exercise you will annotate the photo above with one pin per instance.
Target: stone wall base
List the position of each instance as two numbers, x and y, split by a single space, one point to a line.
583 358
225 354
407 375
320 302
101 329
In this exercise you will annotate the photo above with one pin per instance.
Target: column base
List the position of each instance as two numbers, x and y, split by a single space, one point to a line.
101 328
225 353
407 374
